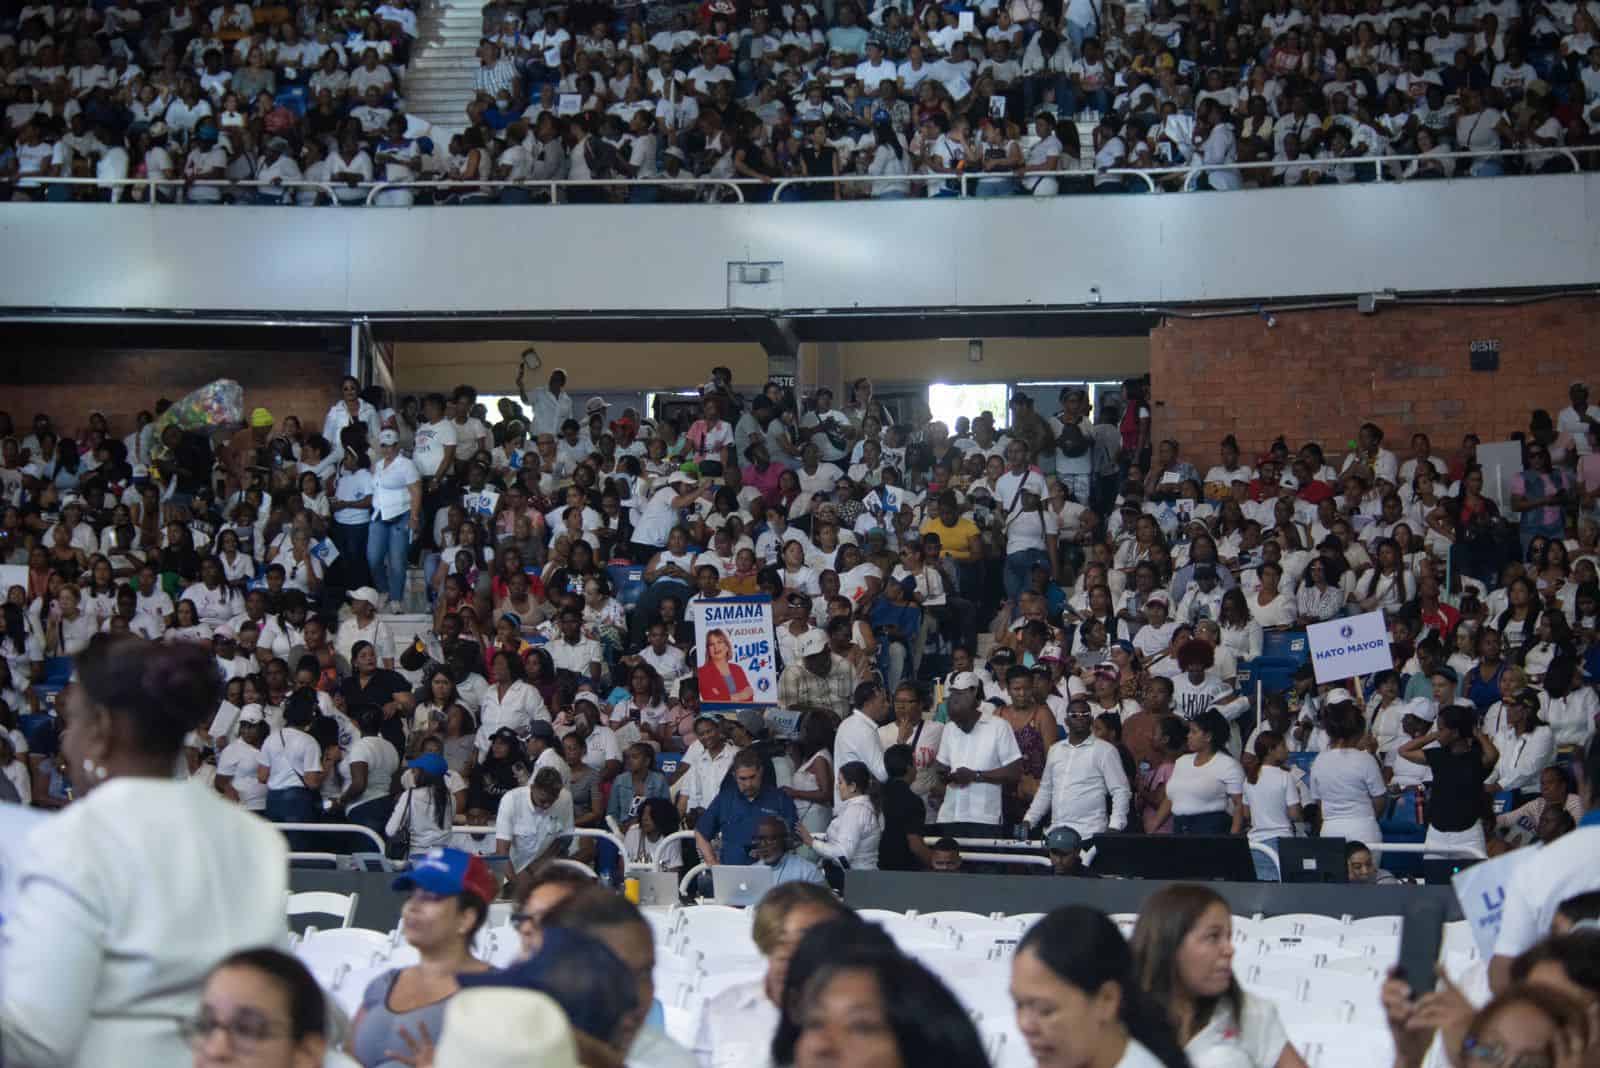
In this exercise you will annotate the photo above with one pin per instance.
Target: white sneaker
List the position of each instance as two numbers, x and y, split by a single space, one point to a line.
395 608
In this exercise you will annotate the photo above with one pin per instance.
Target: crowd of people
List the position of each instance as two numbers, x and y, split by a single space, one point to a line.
1036 626
919 97
1113 590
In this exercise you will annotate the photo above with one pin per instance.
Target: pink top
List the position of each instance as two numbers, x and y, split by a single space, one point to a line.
1149 780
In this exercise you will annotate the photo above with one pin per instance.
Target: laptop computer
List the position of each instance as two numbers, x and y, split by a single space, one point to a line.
741 885
657 889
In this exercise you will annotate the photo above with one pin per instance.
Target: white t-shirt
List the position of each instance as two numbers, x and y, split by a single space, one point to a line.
238 762
1269 798
1028 530
1345 781
289 755
393 482
382 762
432 440
1196 789
1259 1036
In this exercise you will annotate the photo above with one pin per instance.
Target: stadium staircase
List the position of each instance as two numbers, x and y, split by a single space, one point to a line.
444 58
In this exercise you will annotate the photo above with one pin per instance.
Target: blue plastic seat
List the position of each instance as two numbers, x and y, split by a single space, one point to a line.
57 672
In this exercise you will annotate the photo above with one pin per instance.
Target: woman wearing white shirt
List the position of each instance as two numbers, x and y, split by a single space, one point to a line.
1271 802
1206 782
1346 779
509 702
372 763
1183 952
424 811
351 501
350 410
214 600
68 628
238 568
1571 706
363 625
857 826
1271 609
203 878
396 518
1240 632
1526 748
1388 586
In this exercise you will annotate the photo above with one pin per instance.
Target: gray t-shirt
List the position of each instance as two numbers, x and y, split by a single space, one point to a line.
380 1025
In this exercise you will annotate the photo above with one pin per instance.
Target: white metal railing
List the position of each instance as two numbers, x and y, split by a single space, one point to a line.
367 193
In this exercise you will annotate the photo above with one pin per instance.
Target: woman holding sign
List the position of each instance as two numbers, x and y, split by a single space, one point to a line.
722 680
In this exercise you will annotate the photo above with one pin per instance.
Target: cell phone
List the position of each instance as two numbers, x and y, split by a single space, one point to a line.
1421 934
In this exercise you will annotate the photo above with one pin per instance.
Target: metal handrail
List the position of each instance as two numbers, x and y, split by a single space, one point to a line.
1189 172
554 184
335 828
1193 169
154 184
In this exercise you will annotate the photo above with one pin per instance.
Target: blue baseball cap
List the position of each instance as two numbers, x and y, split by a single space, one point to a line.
449 872
432 764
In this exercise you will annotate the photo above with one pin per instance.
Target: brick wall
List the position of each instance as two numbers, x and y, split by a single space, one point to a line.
68 384
1317 376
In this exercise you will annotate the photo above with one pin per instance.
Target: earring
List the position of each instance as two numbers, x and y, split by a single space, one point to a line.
93 769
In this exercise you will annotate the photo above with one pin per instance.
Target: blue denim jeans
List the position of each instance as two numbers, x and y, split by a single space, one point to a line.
1019 567
387 543
1079 485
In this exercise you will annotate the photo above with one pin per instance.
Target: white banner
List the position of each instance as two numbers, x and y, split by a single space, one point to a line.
1481 889
735 652
1344 648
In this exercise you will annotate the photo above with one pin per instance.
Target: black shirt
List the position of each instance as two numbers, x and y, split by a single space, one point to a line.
903 813
1455 802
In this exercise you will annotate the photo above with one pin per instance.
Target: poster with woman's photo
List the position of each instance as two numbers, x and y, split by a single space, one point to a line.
735 652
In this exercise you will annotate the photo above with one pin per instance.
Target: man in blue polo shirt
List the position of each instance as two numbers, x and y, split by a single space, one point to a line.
738 808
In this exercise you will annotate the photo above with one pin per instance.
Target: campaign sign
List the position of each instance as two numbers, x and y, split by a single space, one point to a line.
736 652
1481 889
1345 648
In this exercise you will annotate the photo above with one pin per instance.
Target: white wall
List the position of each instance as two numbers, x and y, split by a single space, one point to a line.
1165 249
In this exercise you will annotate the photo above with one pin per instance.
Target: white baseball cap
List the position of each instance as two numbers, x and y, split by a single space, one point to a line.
1289 482
1423 708
367 594
388 437
1338 696
964 680
813 642
596 404
252 714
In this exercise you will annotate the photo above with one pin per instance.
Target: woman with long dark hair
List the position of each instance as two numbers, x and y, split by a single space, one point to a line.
1183 959
425 812
1204 794
1078 1002
850 997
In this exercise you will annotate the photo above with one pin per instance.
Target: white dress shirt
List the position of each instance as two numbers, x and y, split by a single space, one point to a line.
1074 784
706 772
857 739
126 899
517 709
853 834
1522 758
549 411
574 656
991 744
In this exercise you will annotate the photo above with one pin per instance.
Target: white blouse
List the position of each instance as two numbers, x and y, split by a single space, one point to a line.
854 834
517 709
1572 717
197 878
1279 612
1522 758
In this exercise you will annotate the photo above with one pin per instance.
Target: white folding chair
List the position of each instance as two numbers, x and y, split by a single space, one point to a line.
324 903
1377 925
1300 925
910 934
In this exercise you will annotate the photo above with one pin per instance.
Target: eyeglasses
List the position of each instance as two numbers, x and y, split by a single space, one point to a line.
247 1029
1483 1054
